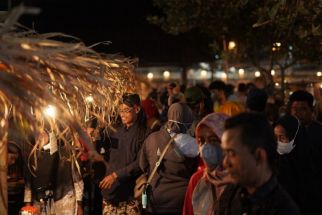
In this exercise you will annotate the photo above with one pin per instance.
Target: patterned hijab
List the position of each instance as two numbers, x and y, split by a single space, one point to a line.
215 121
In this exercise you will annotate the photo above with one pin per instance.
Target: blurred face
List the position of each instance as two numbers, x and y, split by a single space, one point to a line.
280 134
206 135
238 160
302 111
128 114
218 94
209 147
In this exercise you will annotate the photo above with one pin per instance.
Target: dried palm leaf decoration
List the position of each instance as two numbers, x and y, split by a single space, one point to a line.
38 71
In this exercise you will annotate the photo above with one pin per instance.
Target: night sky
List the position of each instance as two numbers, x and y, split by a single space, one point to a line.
121 22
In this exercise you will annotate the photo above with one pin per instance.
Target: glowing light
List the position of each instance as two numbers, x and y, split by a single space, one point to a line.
26 46
319 74
277 84
223 75
257 74
50 111
232 69
272 72
321 86
278 44
166 74
231 45
150 75
241 72
203 73
89 99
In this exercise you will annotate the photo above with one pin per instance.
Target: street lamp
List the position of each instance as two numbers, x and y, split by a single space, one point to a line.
231 45
150 75
203 74
166 75
241 72
257 74
272 72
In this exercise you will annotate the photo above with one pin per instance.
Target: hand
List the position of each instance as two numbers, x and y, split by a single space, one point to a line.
219 178
108 181
80 210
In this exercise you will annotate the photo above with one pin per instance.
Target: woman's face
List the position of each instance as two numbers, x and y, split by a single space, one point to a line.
280 134
206 135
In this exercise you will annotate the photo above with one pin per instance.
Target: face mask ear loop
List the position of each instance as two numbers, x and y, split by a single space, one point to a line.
179 123
298 128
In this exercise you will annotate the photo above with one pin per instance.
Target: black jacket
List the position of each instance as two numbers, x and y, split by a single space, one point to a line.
270 199
123 160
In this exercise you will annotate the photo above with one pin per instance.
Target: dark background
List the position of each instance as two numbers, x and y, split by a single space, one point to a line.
121 22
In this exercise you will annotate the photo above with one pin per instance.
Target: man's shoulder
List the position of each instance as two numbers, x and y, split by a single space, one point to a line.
282 201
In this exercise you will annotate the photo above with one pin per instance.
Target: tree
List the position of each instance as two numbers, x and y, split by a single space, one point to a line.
268 33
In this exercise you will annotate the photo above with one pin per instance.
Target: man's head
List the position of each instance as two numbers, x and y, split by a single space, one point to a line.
129 108
250 148
301 106
256 100
218 89
194 99
173 88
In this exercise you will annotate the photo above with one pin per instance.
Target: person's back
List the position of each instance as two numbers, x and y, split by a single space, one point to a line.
168 186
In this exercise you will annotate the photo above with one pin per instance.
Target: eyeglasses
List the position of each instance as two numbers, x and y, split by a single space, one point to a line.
127 110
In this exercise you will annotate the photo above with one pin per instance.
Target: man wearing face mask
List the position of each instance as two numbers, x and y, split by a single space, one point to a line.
201 193
297 166
165 194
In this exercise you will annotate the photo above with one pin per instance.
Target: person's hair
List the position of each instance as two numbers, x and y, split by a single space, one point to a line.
217 85
255 132
242 87
256 100
132 99
229 89
301 96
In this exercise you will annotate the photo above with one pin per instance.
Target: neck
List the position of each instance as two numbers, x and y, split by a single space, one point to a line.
260 181
222 100
129 125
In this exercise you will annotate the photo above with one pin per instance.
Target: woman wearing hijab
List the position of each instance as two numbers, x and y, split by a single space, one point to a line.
201 193
298 165
165 194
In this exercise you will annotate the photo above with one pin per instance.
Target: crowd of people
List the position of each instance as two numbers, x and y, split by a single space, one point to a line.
205 150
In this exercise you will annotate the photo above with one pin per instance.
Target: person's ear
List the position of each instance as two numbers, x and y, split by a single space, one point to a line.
137 109
260 156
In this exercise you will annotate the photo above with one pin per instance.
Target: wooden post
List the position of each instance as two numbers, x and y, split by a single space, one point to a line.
3 169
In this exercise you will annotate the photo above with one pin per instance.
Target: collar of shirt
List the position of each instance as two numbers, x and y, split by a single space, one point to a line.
262 192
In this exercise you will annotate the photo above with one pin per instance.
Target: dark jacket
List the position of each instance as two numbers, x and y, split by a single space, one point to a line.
168 187
123 160
298 173
269 199
53 172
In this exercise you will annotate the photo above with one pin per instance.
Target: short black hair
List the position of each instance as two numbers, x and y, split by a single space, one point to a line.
256 100
242 87
255 132
131 99
217 85
301 96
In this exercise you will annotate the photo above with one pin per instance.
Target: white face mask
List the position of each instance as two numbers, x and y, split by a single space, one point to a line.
285 148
